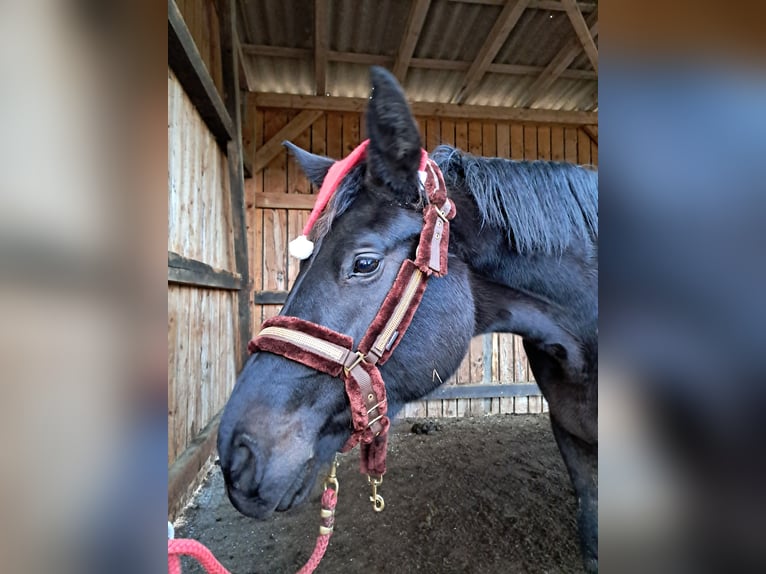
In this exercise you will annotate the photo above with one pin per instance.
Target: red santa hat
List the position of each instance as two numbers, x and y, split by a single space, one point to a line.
301 247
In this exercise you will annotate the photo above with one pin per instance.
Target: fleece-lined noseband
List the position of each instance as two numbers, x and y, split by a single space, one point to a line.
333 353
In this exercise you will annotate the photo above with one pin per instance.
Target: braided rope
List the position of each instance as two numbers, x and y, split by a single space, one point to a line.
178 547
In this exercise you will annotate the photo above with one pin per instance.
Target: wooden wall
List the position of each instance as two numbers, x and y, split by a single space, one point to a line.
491 359
202 322
203 21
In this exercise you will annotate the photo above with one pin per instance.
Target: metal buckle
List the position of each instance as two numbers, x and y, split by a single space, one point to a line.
359 358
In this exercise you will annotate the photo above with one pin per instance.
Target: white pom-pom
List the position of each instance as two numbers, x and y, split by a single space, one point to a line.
301 247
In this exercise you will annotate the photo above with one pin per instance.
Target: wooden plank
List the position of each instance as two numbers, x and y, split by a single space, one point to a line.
275 220
517 142
489 139
433 133
477 360
335 135
557 143
447 132
321 42
257 224
544 143
594 154
284 201
186 271
297 186
554 70
350 132
530 143
502 28
520 362
474 138
583 148
274 147
415 21
481 391
429 109
520 405
503 140
581 29
570 145
186 62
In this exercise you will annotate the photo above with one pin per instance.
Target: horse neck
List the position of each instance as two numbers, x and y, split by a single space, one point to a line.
566 281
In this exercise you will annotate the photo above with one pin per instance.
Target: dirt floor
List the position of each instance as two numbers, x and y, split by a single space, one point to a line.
486 495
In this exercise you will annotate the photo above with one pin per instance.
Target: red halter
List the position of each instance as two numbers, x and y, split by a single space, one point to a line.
333 353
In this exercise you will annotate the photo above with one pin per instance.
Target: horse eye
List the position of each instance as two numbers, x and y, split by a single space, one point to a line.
365 265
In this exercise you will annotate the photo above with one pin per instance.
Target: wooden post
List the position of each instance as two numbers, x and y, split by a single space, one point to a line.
229 57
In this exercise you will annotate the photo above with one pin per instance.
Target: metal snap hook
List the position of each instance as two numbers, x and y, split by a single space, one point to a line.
378 504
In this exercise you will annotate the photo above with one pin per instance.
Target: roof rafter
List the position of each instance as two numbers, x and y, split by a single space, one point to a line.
427 63
508 18
555 69
428 109
415 21
321 42
581 29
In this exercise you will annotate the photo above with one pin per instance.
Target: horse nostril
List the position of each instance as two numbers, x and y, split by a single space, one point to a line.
245 468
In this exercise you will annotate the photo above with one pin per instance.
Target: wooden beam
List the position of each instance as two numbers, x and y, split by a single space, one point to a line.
183 473
294 128
553 5
518 70
554 69
427 63
485 391
581 29
270 297
187 64
415 21
592 132
244 64
429 109
229 56
284 200
276 51
321 42
503 25
244 20
363 59
187 271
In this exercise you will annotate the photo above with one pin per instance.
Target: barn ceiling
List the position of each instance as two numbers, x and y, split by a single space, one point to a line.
539 54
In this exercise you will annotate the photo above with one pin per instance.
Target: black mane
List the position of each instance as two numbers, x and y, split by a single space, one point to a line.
542 206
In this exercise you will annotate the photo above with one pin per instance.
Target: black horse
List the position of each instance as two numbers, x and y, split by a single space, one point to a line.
522 259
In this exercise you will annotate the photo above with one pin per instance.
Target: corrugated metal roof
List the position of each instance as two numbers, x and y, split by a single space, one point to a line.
453 33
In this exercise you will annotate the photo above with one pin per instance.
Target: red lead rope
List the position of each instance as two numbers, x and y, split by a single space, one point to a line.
178 547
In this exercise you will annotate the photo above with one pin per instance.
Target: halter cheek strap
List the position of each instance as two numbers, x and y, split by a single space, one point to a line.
333 353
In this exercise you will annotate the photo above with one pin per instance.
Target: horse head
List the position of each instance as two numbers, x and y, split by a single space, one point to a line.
284 420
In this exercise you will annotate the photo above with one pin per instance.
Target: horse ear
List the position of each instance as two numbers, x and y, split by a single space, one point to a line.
393 155
314 166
